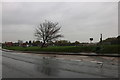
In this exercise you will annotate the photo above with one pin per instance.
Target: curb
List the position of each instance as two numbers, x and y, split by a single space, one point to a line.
65 53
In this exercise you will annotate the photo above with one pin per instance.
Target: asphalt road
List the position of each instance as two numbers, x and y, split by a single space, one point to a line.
26 65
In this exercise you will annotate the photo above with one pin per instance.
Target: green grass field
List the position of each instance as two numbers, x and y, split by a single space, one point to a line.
76 49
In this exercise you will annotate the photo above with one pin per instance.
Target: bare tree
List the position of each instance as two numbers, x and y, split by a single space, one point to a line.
47 31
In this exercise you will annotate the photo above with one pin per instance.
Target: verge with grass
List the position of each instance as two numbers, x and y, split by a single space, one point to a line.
76 49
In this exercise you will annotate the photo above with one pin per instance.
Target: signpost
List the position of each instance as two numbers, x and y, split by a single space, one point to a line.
91 39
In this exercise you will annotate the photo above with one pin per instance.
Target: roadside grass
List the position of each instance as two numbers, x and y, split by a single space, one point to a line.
103 49
110 49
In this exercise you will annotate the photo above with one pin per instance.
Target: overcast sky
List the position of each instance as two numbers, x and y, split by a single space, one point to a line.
78 20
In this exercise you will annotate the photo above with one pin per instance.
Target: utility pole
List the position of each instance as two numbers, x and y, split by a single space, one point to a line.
100 38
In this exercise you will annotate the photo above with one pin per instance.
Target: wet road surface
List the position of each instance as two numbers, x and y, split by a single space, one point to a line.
24 65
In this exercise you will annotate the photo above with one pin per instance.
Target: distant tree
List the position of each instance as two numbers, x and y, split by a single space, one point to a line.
36 43
47 31
30 42
113 40
62 43
33 41
77 43
26 42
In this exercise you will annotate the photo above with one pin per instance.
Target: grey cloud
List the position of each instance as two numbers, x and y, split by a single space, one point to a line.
79 20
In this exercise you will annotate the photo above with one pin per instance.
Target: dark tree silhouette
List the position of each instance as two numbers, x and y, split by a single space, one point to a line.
77 43
30 42
47 31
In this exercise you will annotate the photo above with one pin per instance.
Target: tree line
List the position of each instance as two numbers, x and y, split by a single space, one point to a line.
53 43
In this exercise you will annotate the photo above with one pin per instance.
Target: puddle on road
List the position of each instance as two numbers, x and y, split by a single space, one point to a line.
51 66
47 66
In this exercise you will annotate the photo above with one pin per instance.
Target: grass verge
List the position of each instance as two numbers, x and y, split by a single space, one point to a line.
102 49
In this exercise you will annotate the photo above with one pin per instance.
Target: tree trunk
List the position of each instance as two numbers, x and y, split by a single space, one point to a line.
43 44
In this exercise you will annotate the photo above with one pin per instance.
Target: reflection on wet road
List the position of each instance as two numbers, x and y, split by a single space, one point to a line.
21 65
48 67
